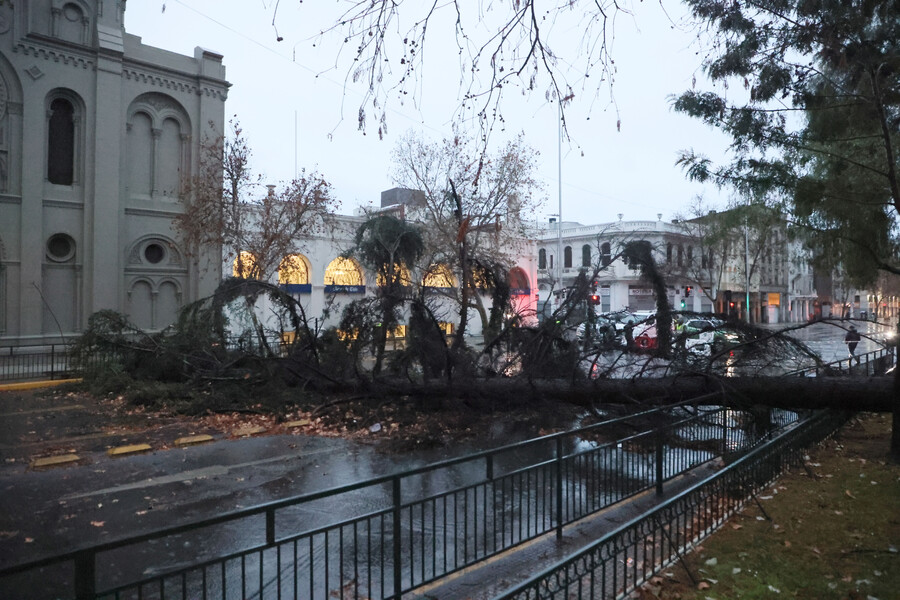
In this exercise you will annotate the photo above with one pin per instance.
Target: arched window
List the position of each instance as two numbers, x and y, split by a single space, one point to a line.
61 143
542 258
157 149
400 272
668 254
439 276
605 254
690 256
680 255
293 270
245 266
567 257
343 271
586 255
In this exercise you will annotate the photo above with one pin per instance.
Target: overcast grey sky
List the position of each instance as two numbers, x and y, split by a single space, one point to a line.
604 171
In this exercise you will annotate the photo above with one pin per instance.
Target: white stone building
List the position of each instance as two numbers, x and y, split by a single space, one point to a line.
784 286
98 132
318 275
620 287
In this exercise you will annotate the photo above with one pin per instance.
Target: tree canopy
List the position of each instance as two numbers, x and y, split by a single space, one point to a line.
817 123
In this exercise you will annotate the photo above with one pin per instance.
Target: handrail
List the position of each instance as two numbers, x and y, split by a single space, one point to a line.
564 576
332 491
837 365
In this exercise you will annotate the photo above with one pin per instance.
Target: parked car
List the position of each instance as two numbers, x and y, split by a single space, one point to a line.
702 334
645 338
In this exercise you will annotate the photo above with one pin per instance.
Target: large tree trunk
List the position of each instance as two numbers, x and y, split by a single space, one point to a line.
874 394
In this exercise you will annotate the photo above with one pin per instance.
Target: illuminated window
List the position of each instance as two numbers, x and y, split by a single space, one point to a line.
447 328
343 271
439 276
398 332
481 278
245 266
403 275
293 270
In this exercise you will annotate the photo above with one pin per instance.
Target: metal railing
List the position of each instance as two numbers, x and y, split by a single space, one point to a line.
49 361
320 544
876 362
623 560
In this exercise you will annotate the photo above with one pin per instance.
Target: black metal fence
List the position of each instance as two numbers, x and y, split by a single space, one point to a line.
869 364
24 363
410 533
621 561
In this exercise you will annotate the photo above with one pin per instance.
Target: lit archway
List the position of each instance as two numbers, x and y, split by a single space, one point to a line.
439 276
293 274
403 274
245 266
343 272
294 268
518 282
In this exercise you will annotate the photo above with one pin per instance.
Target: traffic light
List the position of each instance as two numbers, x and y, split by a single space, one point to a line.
687 291
595 299
682 303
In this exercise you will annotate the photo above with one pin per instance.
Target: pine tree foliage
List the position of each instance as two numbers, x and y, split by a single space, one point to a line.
817 124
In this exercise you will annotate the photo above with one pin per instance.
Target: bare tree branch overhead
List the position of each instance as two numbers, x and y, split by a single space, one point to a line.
559 50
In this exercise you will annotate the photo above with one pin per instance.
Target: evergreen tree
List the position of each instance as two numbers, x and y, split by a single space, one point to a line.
819 126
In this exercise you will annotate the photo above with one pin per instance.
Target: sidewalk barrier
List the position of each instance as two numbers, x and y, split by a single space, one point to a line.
409 535
620 562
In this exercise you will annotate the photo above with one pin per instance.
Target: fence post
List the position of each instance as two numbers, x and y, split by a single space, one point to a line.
52 361
398 573
559 487
270 527
85 584
659 461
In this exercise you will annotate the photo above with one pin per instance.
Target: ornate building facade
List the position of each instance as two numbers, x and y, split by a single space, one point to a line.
98 134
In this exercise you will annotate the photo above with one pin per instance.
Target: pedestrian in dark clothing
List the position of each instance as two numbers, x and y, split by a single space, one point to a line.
852 339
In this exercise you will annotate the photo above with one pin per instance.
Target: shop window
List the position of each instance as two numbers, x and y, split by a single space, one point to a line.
343 271
439 276
245 266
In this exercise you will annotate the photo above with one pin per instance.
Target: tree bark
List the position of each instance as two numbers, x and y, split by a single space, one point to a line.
875 394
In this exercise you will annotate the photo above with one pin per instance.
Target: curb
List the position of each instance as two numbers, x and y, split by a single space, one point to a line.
33 385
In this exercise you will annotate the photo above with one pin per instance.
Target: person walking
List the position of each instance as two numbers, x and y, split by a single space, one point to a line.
852 339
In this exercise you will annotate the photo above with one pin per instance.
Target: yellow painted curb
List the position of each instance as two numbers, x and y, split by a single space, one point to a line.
193 440
248 431
53 461
300 423
33 385
131 449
